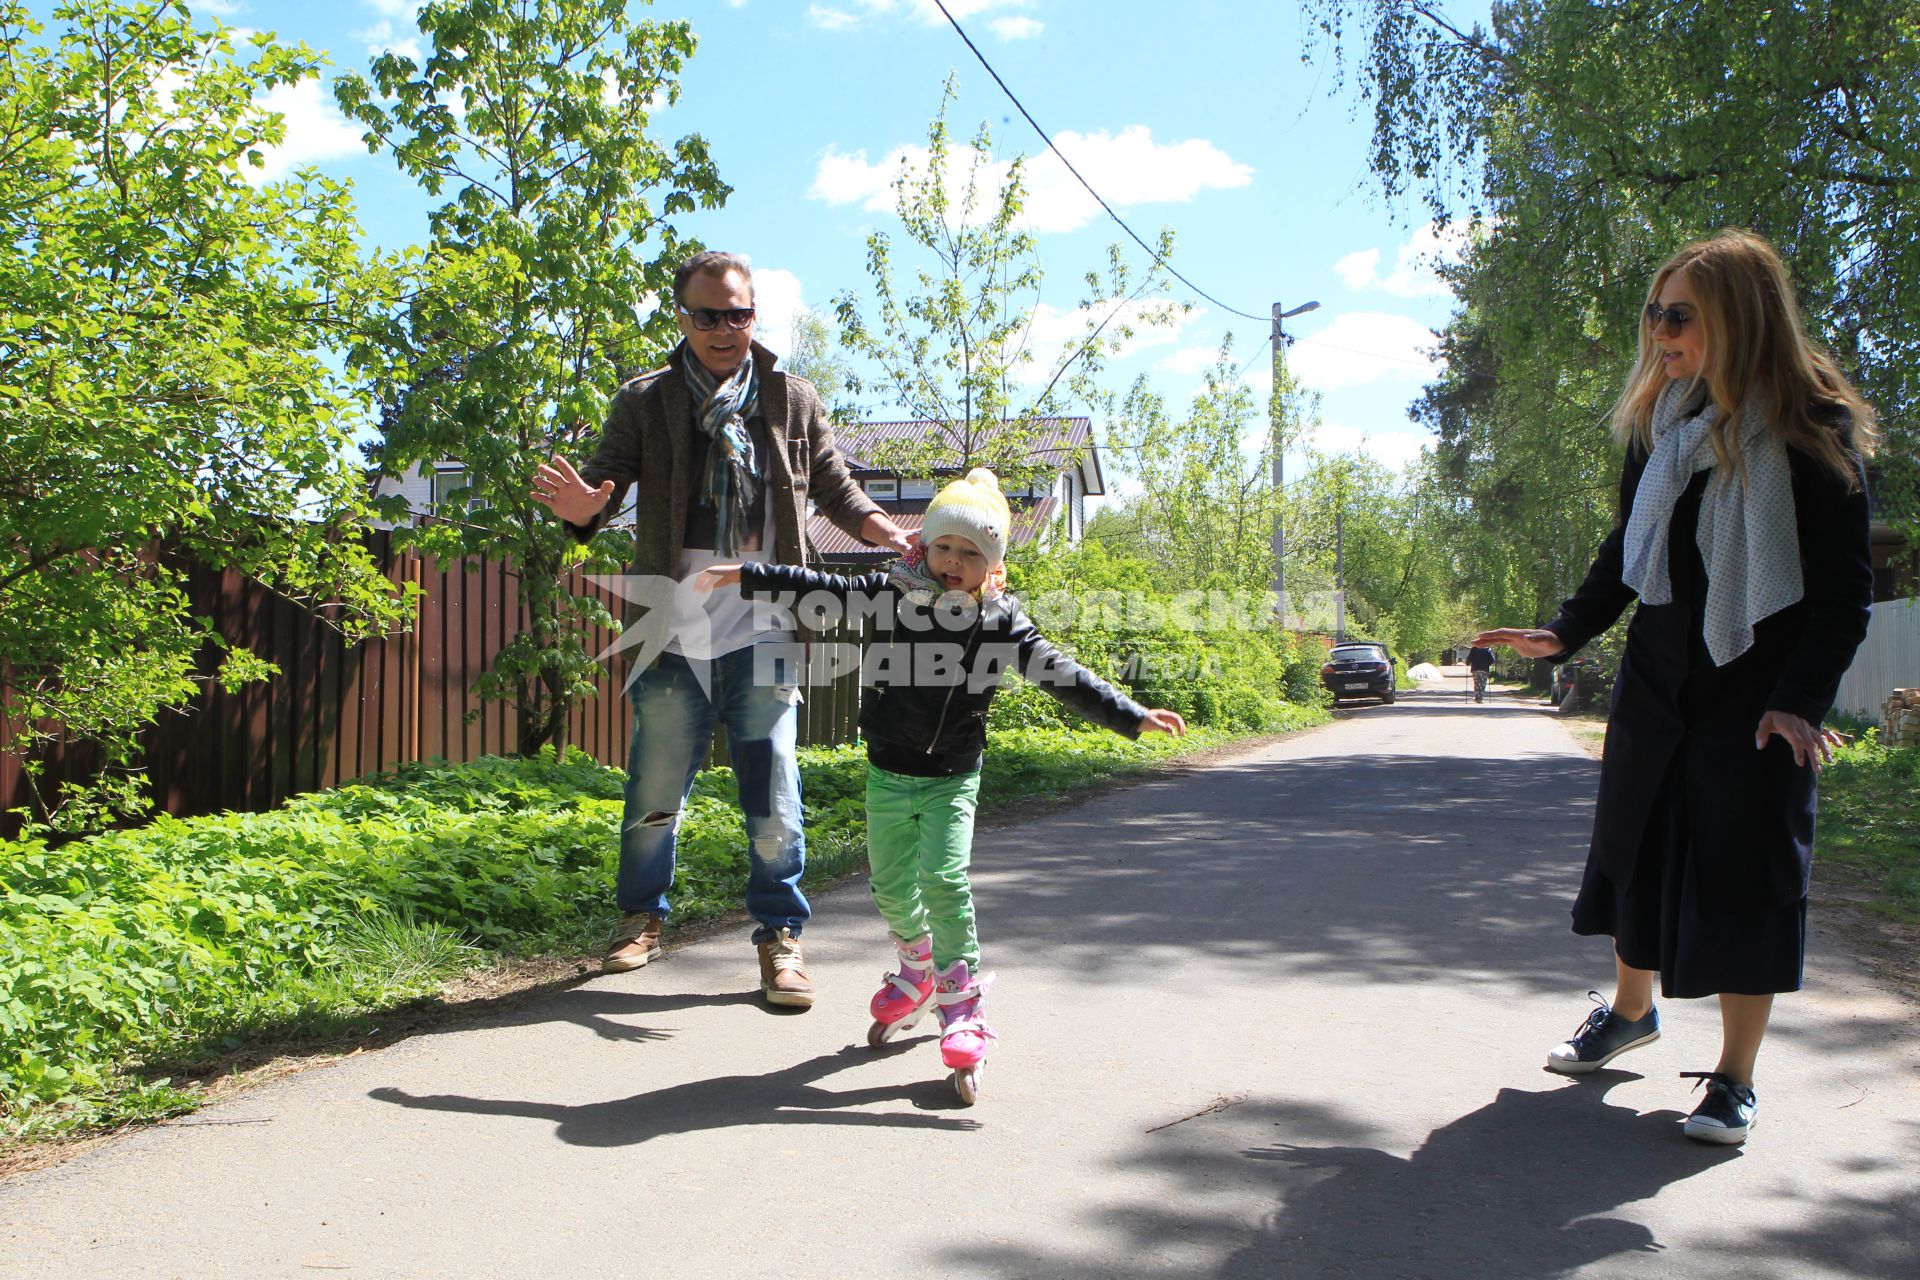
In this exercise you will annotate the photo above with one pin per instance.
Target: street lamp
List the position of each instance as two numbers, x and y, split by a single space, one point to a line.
1279 459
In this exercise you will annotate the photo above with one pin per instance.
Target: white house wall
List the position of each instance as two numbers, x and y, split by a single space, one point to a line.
1888 659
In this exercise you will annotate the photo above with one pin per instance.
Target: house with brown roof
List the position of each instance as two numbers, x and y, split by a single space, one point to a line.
1061 466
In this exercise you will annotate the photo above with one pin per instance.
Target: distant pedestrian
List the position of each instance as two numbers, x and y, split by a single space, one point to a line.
1479 663
1743 533
946 633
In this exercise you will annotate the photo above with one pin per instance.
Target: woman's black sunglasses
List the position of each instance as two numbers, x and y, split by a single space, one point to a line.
1659 317
705 318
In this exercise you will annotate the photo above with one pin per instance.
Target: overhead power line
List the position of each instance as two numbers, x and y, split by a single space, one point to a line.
1266 320
1048 139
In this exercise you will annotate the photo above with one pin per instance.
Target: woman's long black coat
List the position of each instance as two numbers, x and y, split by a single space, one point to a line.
1678 718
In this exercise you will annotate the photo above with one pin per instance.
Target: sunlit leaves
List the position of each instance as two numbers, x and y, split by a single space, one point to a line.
162 359
1598 137
530 119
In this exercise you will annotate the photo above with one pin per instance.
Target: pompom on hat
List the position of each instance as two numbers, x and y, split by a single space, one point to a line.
973 509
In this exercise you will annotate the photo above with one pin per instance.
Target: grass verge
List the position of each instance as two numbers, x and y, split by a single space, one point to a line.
1870 824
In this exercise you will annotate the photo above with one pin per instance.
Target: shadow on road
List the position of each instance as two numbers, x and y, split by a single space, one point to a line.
1384 868
779 1097
1522 1187
601 1010
1529 1185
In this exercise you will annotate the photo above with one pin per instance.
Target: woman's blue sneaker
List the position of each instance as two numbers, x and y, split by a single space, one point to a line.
1604 1036
1725 1114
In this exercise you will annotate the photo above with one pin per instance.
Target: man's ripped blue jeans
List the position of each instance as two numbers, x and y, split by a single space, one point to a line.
673 719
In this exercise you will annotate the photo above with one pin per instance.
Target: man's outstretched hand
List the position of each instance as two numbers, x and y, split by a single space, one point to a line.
559 488
877 530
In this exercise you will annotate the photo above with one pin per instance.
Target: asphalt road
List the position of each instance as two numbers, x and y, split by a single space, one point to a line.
1280 1017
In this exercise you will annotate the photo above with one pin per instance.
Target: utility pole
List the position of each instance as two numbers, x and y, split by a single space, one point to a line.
1276 413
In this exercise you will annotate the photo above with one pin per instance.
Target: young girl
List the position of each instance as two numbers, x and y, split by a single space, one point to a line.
1743 532
945 632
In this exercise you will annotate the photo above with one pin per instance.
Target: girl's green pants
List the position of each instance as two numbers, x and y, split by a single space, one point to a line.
919 842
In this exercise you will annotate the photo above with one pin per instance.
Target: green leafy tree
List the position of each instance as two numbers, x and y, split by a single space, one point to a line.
163 392
957 345
1596 137
816 356
531 118
1371 534
1204 513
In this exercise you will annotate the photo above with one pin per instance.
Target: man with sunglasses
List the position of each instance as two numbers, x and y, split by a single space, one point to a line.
726 452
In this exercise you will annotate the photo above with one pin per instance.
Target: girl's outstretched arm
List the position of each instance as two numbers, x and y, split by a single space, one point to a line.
716 575
1160 720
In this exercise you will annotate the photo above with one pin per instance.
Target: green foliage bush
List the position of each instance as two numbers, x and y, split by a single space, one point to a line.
1870 824
183 934
1239 678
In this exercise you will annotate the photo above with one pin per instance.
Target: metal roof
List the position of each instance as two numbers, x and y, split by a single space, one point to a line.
1055 439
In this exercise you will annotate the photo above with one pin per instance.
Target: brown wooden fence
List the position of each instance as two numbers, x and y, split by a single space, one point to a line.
338 712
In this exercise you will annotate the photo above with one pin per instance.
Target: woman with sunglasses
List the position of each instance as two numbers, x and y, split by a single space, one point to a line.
1743 535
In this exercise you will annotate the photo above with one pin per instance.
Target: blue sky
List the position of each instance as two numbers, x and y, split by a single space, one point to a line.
1210 124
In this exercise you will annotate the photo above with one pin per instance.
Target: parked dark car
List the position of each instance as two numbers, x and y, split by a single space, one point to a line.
1358 670
1564 677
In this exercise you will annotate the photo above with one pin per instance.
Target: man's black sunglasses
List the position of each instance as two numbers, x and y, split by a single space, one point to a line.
1658 318
705 318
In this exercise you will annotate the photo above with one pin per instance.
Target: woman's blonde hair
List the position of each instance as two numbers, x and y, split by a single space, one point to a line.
1755 347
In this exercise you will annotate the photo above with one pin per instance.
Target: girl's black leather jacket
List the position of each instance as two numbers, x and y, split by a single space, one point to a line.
930 674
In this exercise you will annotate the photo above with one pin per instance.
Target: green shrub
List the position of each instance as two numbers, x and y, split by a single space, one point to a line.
1870 824
1236 677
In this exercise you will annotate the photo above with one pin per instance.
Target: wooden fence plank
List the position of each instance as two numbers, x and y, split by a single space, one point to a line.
338 712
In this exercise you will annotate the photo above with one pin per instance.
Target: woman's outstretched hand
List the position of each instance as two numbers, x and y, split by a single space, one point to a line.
1526 643
1812 747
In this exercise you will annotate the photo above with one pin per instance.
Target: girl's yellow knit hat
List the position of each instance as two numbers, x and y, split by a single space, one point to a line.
973 509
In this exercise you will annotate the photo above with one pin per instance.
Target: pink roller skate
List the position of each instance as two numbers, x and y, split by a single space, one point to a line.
964 1038
903 996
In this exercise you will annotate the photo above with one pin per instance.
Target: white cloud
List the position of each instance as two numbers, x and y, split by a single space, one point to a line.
929 13
1396 448
778 296
1050 330
962 9
1128 168
381 37
846 177
830 19
315 131
219 8
1357 268
1361 347
1413 274
1017 28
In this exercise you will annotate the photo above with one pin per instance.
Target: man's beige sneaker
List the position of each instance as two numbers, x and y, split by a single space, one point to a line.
783 971
636 940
